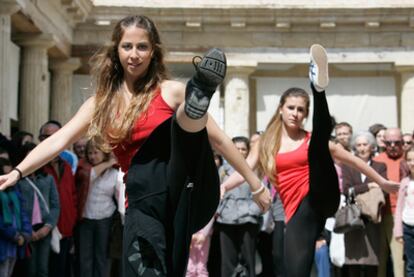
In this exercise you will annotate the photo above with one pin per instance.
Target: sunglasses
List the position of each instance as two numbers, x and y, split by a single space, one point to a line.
393 142
408 142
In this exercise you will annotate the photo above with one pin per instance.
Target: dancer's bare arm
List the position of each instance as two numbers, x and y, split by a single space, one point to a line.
347 158
222 143
53 145
236 179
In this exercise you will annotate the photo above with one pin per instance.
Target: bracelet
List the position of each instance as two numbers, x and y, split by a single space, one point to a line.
259 190
19 171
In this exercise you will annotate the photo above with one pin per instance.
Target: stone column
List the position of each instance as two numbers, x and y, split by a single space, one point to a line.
407 99
61 92
6 9
236 101
34 81
215 109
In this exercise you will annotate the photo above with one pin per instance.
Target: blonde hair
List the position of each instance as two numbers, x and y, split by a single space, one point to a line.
271 138
112 120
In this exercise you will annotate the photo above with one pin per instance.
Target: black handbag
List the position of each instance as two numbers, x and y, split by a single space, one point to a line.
348 217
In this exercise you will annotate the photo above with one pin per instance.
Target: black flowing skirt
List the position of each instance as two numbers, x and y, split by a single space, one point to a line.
173 191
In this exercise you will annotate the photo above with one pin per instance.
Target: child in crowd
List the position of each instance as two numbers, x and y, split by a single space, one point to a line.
96 208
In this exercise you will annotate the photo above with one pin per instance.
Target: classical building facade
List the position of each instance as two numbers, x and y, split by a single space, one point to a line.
45 46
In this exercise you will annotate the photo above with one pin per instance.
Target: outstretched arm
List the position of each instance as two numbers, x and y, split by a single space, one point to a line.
347 158
53 145
225 147
236 179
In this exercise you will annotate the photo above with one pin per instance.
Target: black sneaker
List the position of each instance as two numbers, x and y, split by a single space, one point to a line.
210 73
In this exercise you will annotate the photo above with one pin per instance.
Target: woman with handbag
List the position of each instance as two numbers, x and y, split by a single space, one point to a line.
41 202
362 245
301 168
238 222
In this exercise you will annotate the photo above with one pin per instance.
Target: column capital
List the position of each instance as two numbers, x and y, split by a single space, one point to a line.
8 7
65 65
407 68
34 40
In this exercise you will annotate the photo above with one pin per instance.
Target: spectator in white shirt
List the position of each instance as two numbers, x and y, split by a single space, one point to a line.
97 195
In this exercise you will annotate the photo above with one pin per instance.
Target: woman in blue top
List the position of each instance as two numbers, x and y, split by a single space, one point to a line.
15 229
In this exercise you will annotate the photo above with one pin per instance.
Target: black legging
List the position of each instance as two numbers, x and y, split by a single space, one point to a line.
322 201
278 244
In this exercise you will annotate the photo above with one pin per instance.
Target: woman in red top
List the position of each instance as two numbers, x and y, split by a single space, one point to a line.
300 166
158 130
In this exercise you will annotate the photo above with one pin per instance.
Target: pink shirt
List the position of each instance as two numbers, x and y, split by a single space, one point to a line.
36 214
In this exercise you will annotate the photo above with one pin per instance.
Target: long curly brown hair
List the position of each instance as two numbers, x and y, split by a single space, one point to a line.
271 138
113 120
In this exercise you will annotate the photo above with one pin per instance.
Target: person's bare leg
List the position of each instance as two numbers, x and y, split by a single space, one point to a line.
210 72
188 124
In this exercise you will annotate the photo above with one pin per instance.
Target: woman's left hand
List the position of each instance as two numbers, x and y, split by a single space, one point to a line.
199 239
263 200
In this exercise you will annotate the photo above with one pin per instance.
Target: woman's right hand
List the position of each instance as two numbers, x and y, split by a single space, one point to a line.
263 200
9 180
390 186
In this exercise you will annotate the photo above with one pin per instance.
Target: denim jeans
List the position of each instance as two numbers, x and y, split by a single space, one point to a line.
93 246
408 233
322 262
39 260
6 267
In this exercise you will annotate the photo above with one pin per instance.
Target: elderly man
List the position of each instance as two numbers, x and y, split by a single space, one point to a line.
396 169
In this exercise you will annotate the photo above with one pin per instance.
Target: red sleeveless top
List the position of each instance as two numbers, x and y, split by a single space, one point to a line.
293 177
158 111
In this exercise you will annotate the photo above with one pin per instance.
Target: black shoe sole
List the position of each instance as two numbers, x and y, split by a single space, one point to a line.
212 68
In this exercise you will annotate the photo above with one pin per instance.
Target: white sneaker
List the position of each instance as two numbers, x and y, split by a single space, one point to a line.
318 67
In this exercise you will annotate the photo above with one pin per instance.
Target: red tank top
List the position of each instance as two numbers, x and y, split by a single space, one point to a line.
158 111
293 177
